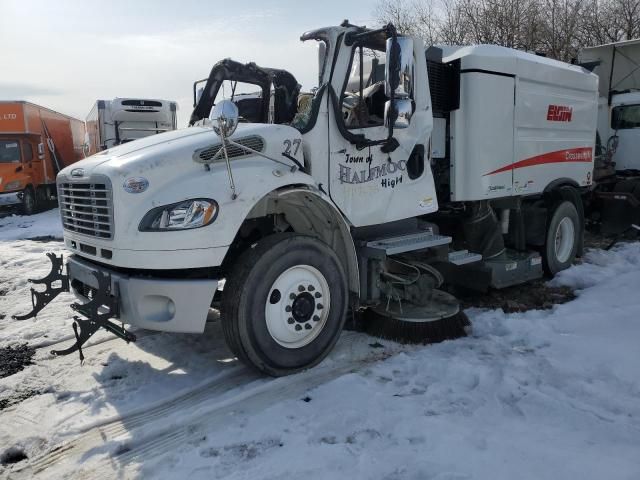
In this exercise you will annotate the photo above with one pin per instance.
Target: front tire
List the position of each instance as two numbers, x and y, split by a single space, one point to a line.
562 239
284 304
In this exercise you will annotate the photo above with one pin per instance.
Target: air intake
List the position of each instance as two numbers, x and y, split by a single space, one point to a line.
210 154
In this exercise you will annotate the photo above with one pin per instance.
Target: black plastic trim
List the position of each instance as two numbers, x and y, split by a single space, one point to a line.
488 72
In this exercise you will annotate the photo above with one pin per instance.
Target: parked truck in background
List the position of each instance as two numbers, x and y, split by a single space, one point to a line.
35 144
461 166
121 120
615 204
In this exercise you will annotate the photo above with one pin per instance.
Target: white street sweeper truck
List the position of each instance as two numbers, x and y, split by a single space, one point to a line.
460 166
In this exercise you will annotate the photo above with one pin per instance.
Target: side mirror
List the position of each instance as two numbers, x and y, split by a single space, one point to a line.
612 144
199 95
398 114
399 68
399 79
85 145
224 118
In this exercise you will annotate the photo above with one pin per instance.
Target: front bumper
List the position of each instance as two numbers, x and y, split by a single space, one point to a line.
170 305
12 198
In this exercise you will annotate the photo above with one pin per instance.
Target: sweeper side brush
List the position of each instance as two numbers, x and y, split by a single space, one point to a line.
404 322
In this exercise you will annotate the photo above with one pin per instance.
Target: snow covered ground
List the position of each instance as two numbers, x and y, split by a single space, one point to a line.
551 394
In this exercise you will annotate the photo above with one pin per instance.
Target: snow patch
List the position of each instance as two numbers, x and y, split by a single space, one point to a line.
17 227
537 394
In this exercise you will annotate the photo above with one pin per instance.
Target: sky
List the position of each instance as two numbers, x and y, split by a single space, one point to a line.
67 54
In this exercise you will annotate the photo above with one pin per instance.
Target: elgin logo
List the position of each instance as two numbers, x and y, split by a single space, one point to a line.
559 113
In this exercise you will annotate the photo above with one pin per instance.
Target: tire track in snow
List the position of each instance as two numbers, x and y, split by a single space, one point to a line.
118 427
145 432
157 443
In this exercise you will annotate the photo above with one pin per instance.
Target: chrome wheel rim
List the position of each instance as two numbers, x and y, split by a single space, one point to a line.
564 239
297 306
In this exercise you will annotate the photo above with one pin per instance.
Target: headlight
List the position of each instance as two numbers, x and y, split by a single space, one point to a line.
13 185
180 216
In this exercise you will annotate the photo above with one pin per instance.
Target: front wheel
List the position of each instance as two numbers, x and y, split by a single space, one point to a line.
562 239
284 304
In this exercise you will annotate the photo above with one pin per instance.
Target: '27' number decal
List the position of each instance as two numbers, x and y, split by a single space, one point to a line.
288 144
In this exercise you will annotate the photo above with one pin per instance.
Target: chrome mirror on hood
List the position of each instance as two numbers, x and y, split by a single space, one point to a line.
224 118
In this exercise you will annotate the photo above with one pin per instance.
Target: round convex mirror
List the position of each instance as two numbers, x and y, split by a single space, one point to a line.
224 118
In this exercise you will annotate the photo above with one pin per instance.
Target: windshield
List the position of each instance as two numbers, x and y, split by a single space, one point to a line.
626 117
308 102
9 151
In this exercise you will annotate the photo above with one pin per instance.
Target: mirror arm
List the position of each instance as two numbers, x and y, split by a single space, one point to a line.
232 185
391 31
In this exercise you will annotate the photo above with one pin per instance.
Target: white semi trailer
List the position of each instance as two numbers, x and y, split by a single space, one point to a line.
616 201
122 120
466 167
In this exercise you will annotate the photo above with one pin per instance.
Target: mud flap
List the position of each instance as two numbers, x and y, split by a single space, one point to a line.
620 211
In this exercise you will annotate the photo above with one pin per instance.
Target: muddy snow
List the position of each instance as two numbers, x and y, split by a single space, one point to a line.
552 392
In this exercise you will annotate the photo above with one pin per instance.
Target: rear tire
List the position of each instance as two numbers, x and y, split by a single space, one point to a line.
562 238
284 304
29 204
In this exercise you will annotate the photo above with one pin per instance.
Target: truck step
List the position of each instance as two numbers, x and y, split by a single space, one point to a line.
409 242
463 257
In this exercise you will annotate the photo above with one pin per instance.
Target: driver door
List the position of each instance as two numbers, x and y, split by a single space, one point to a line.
367 184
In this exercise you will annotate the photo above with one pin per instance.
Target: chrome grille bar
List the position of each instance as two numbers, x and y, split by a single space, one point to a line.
86 206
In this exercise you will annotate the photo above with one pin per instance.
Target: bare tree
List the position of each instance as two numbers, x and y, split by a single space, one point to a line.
557 28
627 14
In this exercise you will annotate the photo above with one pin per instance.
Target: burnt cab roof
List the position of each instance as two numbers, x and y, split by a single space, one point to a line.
283 84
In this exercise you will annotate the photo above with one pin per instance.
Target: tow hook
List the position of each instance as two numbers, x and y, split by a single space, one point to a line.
98 310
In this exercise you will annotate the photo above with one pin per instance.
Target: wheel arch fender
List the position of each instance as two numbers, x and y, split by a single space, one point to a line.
309 211
559 183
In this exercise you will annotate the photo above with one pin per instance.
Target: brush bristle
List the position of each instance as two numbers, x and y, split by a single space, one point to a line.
401 331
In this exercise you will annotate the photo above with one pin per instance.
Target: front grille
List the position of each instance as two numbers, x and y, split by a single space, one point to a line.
254 142
86 207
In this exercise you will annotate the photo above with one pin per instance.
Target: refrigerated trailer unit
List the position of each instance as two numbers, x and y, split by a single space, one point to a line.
35 144
118 121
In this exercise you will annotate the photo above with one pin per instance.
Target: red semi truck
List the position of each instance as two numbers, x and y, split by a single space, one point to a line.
35 144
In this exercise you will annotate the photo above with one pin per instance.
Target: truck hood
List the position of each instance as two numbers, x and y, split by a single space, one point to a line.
90 163
174 151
